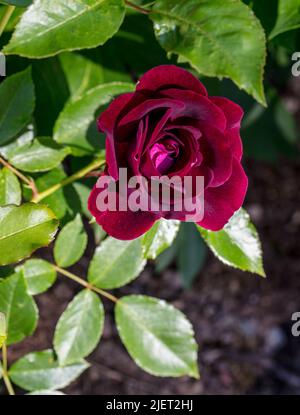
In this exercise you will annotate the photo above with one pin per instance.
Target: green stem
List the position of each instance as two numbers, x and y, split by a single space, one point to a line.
21 176
7 15
85 283
6 379
76 176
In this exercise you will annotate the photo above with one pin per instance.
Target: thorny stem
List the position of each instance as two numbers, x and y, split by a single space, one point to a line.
7 15
21 176
6 379
76 176
85 283
136 7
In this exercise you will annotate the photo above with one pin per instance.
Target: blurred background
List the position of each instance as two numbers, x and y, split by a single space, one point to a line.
242 321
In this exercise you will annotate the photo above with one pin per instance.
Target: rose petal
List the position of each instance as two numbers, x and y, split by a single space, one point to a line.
121 225
221 202
166 76
107 119
198 107
232 111
217 154
149 105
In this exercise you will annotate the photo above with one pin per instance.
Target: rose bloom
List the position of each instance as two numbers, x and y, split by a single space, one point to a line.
170 126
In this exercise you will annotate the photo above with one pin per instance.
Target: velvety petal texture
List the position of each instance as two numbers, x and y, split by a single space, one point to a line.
171 128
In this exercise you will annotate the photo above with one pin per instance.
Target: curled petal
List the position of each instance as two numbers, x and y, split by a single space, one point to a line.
233 112
221 202
167 76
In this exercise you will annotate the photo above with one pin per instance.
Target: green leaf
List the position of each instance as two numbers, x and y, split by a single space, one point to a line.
42 154
3 331
26 136
10 189
52 92
15 17
217 38
191 253
238 244
48 28
57 201
45 392
79 329
81 72
39 275
23 229
19 308
116 263
40 370
70 243
160 237
18 3
72 126
157 336
16 105
288 17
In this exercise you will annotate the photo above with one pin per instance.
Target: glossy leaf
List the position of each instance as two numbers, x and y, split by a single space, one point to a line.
23 229
19 308
72 126
14 19
42 154
39 275
238 244
57 201
116 263
45 392
157 336
3 331
10 189
160 237
48 28
24 137
40 370
79 328
70 243
288 17
16 105
81 72
217 38
18 3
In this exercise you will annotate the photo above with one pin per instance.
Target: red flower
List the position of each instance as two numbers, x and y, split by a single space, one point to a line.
170 126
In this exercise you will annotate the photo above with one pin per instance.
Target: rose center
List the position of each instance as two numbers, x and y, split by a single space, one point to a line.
164 154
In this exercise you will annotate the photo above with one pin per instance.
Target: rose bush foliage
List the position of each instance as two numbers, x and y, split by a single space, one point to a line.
69 62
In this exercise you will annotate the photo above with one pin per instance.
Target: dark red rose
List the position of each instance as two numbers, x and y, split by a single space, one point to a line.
170 126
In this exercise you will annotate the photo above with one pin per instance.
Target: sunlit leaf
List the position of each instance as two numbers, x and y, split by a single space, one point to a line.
116 263
238 244
79 328
47 28
217 38
40 370
158 336
23 229
19 308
